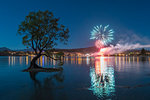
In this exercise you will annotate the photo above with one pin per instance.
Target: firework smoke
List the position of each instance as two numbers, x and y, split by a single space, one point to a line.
119 48
126 40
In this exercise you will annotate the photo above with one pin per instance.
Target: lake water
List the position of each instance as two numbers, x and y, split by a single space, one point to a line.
99 78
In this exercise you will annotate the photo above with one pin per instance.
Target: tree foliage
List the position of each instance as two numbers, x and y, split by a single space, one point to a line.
41 31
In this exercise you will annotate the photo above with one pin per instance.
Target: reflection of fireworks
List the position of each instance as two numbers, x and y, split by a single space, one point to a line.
102 79
103 35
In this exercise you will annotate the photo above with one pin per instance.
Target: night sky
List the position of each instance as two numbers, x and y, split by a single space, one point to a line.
129 18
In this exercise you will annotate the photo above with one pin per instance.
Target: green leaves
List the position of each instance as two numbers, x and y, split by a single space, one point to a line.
41 30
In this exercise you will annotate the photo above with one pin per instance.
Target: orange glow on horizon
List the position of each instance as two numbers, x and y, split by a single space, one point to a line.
102 51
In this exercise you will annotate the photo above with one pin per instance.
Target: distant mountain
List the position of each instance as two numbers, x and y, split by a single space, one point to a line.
5 49
29 49
88 49
82 50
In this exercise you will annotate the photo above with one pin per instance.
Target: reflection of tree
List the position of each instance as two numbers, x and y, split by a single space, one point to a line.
33 77
143 58
45 89
143 52
102 79
143 55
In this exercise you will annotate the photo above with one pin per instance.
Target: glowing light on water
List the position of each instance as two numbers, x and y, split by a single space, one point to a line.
26 60
87 60
103 35
79 59
102 79
20 59
43 60
9 60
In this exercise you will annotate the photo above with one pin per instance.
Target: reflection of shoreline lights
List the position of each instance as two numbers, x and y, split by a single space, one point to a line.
79 60
9 60
20 59
26 60
87 60
102 79
14 60
43 60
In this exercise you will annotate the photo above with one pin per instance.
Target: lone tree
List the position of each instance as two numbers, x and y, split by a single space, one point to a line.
41 31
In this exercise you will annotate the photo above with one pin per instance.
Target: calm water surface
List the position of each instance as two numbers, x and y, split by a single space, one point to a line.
108 78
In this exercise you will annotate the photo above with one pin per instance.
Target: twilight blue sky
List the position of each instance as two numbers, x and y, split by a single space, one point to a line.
129 18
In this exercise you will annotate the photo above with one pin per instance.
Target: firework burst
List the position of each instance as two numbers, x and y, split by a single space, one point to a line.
103 35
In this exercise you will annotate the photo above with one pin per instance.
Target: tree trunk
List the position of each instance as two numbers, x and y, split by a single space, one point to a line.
33 62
